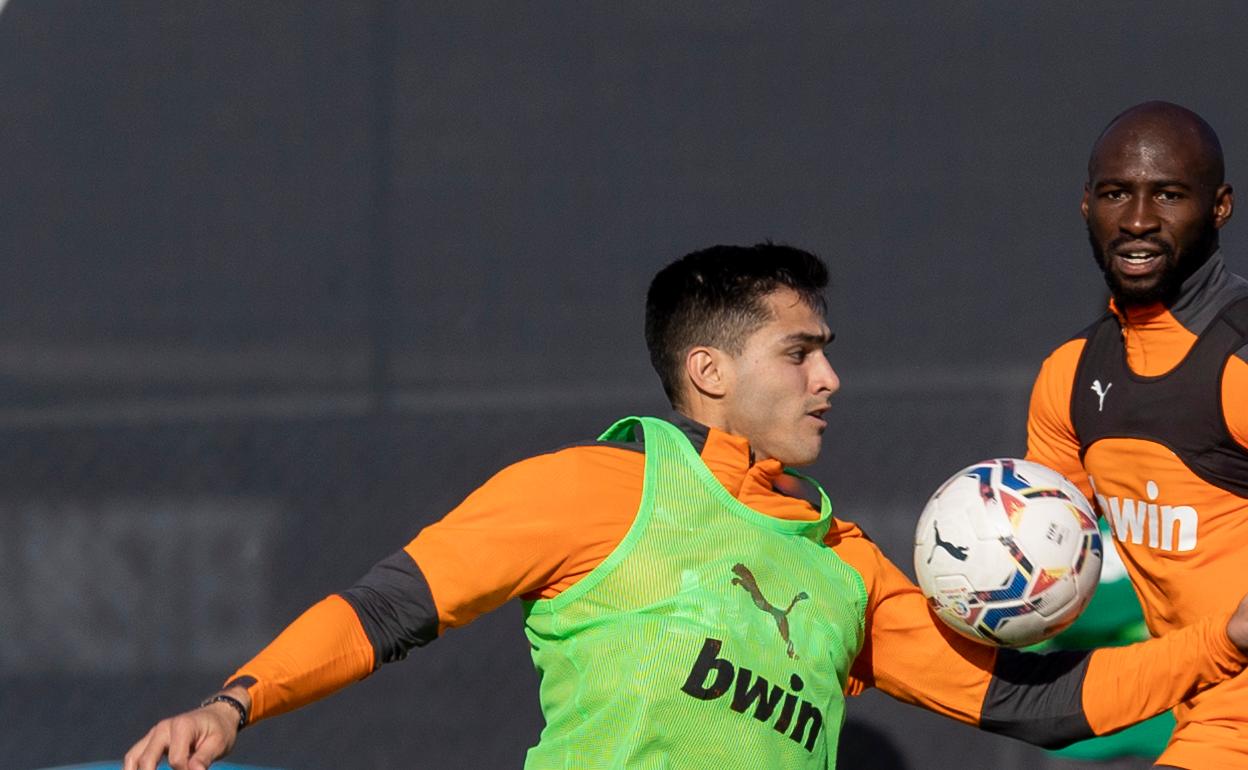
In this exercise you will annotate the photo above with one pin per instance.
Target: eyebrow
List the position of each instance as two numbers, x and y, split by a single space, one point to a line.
808 339
1151 182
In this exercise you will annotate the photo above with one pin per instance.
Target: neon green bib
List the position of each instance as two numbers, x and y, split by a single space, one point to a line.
712 637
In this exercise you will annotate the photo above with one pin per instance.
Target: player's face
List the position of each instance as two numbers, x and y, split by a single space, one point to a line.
781 383
1152 218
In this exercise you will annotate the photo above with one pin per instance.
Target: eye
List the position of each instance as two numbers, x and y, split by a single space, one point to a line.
1169 195
798 355
1114 195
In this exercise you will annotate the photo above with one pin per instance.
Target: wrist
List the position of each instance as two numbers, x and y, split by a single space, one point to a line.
231 704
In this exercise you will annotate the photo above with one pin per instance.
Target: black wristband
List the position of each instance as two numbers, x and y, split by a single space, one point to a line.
234 703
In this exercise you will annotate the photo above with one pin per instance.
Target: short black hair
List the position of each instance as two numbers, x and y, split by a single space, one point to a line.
715 297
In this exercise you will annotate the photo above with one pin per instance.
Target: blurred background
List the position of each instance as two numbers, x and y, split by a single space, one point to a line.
280 283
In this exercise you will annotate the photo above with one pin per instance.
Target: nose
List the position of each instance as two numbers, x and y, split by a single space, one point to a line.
825 380
1140 218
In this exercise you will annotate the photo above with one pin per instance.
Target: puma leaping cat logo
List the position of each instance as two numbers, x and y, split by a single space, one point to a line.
745 579
956 551
1100 393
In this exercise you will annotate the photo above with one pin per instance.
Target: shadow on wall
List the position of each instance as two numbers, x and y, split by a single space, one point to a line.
862 745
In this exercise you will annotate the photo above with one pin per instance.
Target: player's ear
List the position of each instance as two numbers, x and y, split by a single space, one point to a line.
1083 204
709 370
1223 205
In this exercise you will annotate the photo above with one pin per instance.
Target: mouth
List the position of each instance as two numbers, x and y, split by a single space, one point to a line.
1138 259
817 416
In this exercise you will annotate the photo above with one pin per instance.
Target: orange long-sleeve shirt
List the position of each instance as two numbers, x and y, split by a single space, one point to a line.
1190 568
540 525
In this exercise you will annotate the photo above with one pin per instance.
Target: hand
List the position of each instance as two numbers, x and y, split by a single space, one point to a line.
1237 628
192 741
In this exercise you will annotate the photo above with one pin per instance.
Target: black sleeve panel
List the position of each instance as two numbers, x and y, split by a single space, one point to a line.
395 607
1038 698
241 681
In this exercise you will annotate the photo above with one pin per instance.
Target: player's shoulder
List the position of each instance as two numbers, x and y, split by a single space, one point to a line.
1063 360
854 547
846 537
843 530
1237 317
589 460
624 448
1066 355
1235 379
567 477
1086 332
581 457
1234 390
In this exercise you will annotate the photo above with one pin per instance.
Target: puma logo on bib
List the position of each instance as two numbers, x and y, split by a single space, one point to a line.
745 579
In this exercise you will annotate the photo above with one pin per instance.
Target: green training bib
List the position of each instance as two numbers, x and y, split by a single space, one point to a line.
712 637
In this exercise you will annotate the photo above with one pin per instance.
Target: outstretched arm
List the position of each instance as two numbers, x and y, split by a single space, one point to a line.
527 531
339 640
323 650
1047 699
1088 693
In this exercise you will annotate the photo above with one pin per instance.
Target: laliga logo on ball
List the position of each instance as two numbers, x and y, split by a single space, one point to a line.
1007 552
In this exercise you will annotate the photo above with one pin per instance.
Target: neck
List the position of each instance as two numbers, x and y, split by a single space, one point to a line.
711 416
706 410
700 416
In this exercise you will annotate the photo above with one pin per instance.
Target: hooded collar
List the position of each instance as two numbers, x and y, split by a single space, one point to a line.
1158 337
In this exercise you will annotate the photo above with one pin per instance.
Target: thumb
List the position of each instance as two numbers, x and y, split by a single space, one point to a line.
209 749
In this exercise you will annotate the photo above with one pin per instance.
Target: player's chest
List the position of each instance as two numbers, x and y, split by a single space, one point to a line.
1153 500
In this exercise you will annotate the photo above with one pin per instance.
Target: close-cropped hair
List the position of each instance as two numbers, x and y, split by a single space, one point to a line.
715 297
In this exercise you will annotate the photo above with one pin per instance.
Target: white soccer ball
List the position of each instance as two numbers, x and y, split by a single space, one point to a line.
1007 552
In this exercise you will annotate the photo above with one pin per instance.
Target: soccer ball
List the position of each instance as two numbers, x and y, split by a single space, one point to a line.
1007 552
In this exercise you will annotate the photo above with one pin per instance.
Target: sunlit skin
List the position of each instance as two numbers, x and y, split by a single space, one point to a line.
776 390
1154 202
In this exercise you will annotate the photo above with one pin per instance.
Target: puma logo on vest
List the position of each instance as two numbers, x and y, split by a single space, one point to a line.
956 551
745 579
1100 393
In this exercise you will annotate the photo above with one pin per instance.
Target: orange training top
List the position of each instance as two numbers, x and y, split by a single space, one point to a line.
1181 537
542 524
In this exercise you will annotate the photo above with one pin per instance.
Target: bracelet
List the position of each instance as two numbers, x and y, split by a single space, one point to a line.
233 702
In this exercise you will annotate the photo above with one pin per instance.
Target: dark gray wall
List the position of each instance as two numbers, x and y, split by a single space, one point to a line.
280 283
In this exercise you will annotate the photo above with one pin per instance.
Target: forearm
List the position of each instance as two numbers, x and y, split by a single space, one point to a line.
342 639
1127 684
323 650
1046 699
1053 699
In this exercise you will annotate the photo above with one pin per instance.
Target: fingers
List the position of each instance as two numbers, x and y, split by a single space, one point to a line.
181 739
212 747
192 741
150 748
